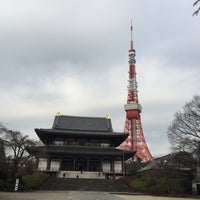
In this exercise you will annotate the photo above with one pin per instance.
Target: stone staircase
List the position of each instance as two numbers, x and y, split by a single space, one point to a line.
107 185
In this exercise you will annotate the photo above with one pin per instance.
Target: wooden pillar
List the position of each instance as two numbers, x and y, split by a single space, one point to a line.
123 170
88 164
74 165
48 163
101 168
37 163
112 166
60 160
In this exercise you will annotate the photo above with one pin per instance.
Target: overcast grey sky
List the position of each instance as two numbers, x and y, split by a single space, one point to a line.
71 56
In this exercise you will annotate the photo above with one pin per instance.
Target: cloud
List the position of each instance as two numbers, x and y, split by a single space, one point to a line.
72 57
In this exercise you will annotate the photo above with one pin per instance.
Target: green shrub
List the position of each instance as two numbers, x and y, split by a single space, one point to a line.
160 186
34 181
146 183
181 185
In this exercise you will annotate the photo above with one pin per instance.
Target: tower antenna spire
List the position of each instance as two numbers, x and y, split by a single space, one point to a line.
131 46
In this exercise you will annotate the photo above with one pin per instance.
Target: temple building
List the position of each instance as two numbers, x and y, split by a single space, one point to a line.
80 144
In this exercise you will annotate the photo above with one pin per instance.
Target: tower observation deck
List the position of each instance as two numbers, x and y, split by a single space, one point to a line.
133 125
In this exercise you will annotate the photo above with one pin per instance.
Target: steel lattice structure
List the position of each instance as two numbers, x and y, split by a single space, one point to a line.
133 125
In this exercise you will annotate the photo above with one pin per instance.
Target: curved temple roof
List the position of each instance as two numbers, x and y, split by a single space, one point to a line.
81 127
49 134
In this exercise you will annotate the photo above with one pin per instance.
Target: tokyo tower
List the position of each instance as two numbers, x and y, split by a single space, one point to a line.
133 125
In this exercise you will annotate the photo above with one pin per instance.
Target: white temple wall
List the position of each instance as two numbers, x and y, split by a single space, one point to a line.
42 164
118 166
106 166
55 165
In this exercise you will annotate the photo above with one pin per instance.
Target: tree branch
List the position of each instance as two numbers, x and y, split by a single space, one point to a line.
197 11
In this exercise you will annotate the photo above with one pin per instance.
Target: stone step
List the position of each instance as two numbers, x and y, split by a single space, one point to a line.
108 185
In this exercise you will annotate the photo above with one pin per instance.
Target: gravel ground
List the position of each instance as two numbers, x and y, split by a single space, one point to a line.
76 195
145 197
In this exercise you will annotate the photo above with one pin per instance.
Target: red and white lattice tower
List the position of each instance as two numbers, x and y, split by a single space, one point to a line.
133 125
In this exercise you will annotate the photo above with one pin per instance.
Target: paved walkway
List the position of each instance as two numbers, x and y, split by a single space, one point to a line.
76 195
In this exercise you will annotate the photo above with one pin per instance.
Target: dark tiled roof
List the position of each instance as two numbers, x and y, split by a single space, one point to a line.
78 132
81 127
56 151
82 123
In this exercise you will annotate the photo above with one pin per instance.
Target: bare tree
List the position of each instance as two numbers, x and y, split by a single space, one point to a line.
184 132
15 144
197 2
3 166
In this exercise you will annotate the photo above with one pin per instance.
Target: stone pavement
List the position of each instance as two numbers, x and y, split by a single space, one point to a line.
58 195
76 195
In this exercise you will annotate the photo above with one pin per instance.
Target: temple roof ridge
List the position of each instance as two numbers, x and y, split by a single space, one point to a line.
66 122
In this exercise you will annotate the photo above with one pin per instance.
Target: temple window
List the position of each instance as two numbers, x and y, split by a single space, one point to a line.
70 141
58 141
82 142
105 143
94 143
